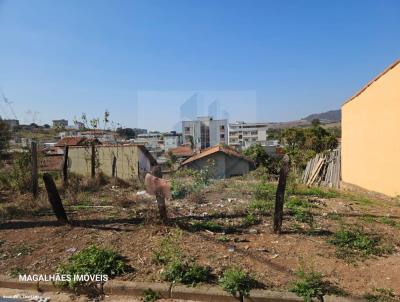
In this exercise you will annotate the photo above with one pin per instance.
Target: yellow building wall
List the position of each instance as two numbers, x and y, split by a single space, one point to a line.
127 163
371 136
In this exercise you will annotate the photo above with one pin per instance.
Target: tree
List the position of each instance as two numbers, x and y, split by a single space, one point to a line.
258 154
5 136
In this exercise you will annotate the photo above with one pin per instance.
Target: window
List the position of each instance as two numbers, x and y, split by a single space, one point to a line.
187 129
222 127
222 136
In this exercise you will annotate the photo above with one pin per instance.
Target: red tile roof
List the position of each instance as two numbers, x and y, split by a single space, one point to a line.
219 148
181 151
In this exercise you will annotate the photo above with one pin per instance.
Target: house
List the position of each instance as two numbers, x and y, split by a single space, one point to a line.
205 132
373 114
131 162
224 162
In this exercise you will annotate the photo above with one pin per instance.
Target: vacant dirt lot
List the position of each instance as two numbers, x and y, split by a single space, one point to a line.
224 226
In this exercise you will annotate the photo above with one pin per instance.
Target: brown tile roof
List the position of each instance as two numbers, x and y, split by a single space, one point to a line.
393 65
219 148
181 151
74 141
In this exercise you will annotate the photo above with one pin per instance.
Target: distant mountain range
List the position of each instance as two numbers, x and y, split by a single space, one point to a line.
329 116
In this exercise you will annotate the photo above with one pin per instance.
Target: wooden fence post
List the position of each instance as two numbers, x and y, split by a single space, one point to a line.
114 166
93 160
65 166
54 198
34 169
280 194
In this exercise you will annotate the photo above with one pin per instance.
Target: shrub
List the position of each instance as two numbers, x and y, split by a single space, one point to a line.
178 189
92 261
236 281
20 176
150 295
186 273
351 243
309 285
315 191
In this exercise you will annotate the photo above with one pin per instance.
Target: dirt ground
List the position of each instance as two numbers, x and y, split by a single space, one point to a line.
118 218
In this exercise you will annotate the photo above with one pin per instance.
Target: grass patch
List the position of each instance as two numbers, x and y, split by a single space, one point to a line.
261 205
237 282
265 191
315 192
223 238
22 250
381 295
355 243
207 225
92 261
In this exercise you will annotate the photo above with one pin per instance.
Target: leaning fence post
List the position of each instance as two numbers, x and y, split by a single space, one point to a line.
65 166
93 160
34 169
280 194
54 198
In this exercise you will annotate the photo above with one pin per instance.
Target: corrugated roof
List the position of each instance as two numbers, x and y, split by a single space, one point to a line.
393 65
219 148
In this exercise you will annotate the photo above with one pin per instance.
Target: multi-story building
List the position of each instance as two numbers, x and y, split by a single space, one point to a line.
243 135
205 132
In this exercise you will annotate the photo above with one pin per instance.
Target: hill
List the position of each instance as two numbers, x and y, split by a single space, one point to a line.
331 116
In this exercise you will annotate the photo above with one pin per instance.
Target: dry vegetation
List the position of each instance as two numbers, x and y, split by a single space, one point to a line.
351 239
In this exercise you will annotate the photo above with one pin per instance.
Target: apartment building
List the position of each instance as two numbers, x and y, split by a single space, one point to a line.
243 135
205 132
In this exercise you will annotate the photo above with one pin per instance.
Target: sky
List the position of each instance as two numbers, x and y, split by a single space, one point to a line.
142 60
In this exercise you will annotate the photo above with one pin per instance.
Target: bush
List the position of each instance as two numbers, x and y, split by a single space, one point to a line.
382 295
186 273
236 281
309 285
92 261
178 189
20 176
